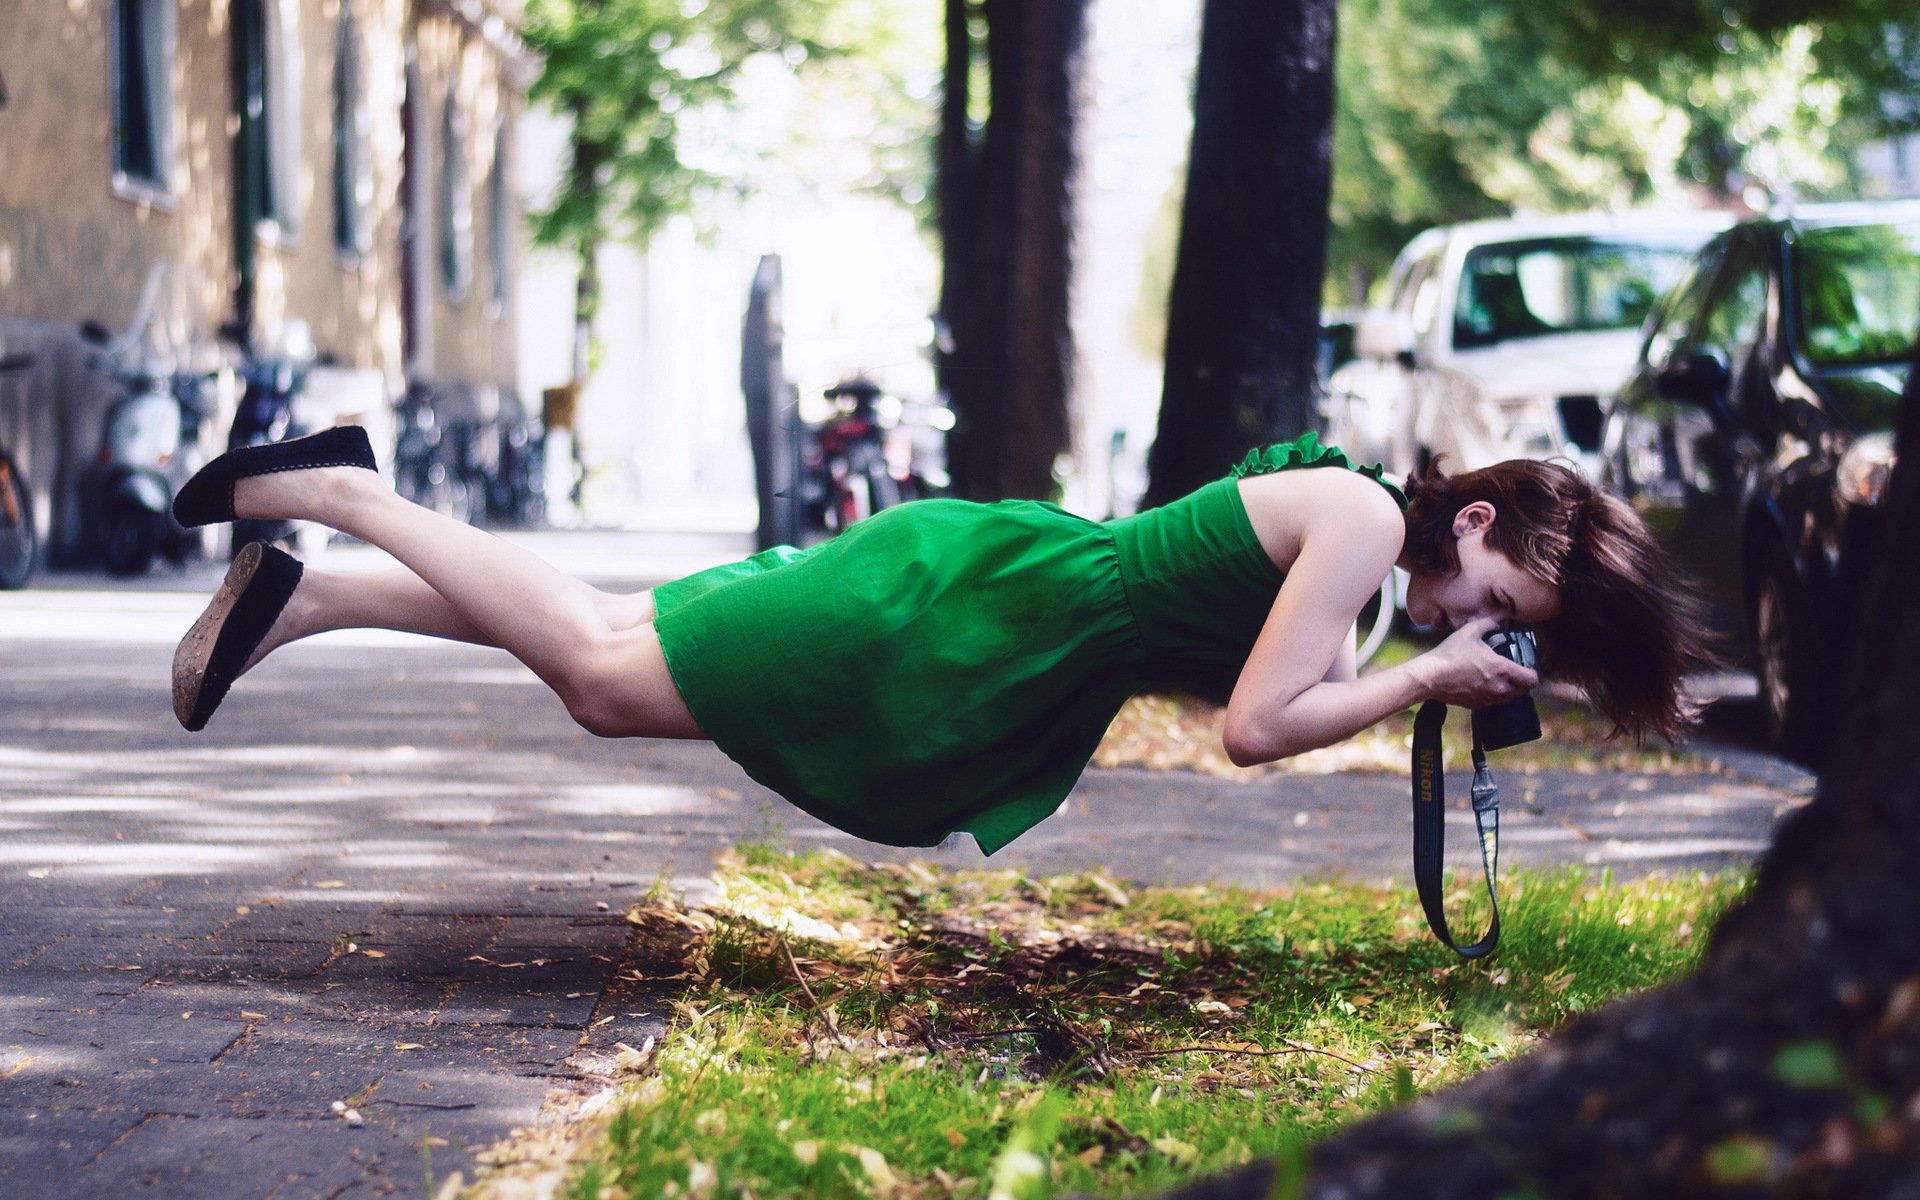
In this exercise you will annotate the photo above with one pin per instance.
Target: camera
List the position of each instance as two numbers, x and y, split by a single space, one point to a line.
1514 721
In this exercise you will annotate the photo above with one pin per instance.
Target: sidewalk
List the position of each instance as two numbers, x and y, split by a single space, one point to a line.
392 875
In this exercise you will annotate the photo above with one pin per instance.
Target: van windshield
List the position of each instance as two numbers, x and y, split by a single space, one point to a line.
1565 285
1857 292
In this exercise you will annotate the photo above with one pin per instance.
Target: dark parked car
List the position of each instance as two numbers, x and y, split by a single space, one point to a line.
1756 433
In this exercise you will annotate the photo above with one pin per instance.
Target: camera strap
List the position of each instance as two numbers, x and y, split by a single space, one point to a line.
1429 826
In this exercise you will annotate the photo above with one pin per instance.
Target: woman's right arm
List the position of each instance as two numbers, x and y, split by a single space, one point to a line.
1461 671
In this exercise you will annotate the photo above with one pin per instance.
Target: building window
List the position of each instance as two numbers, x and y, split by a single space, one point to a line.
456 203
352 176
499 222
141 56
267 84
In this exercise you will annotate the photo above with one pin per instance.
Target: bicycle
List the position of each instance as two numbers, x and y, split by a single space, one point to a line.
18 539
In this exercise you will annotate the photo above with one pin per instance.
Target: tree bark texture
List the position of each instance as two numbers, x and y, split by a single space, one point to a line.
1789 1063
1244 317
1008 216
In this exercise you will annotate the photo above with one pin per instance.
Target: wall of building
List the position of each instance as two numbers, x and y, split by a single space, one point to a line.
74 244
78 243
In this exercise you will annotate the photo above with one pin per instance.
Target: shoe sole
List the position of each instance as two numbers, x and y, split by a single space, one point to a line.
195 651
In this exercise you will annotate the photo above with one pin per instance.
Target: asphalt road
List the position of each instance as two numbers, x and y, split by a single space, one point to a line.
391 875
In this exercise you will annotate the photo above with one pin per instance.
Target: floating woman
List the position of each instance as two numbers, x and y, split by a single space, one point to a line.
951 666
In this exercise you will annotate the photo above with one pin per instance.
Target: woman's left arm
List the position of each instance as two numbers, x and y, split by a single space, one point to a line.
1292 695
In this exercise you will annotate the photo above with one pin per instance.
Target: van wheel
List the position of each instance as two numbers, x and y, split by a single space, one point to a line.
1791 704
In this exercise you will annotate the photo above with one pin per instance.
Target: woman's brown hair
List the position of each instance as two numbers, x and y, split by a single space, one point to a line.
1630 629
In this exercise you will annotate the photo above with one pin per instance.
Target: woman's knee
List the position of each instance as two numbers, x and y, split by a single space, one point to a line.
592 698
623 689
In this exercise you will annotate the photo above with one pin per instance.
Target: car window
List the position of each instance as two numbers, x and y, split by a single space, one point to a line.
1543 286
1678 316
1415 295
1857 293
1739 305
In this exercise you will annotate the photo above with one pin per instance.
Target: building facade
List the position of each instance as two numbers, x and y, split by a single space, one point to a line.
209 178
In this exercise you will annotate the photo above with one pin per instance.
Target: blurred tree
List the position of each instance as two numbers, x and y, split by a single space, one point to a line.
1244 316
1456 109
1006 179
631 75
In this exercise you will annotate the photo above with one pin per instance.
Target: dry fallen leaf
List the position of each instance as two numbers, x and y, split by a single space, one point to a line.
875 1165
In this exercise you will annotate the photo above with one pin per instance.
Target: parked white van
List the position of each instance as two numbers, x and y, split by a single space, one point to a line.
1507 338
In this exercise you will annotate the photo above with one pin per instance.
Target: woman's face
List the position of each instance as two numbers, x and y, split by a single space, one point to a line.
1488 583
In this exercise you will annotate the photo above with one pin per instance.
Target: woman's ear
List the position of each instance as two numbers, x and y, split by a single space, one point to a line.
1473 518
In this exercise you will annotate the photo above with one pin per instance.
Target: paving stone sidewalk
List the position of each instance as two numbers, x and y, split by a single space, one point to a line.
394 877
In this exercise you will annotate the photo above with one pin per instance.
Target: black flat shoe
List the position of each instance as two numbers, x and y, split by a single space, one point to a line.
218 646
208 496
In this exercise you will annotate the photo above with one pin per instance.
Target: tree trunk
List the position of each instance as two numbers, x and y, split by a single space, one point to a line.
1010 258
588 155
1244 317
959 168
1789 1064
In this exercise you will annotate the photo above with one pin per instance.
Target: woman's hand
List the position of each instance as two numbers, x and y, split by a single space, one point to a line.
1465 672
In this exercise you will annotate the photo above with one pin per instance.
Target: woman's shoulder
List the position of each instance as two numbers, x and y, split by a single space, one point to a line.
1307 451
1361 497
1287 507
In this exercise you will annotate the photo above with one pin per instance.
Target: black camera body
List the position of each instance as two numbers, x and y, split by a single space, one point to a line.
1514 721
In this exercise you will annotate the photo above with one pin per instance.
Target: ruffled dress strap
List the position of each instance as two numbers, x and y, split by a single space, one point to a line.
1306 451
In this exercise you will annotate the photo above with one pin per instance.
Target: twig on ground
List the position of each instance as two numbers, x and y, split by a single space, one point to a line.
1255 1051
826 1018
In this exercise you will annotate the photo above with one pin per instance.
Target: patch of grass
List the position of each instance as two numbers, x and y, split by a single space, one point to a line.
898 1030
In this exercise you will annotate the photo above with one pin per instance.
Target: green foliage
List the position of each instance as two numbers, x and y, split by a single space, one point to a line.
1450 110
648 83
1740 1159
631 74
1810 1065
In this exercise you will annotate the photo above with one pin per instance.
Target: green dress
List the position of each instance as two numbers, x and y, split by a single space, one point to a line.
950 666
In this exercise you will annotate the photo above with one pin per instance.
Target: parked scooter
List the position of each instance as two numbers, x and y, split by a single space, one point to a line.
874 452
149 447
18 539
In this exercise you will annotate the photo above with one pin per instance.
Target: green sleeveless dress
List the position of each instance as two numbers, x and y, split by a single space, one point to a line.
950 666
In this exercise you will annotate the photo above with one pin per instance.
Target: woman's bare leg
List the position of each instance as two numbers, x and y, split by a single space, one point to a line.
398 599
613 680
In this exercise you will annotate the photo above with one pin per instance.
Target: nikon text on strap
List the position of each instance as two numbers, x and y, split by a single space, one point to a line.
1429 832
